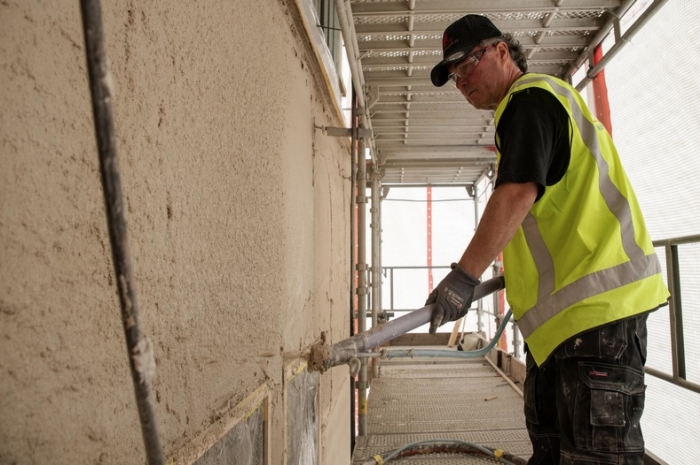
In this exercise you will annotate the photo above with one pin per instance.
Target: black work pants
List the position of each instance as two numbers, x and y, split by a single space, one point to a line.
584 403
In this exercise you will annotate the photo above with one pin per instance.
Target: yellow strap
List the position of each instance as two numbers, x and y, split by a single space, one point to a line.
498 453
378 459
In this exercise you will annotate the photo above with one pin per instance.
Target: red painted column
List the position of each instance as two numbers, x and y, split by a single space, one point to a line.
600 92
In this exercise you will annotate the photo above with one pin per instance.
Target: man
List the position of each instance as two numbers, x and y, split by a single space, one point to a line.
580 268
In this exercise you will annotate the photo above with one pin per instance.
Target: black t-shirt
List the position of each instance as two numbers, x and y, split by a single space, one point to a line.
534 132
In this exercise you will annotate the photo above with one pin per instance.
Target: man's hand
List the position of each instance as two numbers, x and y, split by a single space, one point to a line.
453 297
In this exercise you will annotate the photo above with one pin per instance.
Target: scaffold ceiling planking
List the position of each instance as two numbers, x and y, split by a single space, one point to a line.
427 135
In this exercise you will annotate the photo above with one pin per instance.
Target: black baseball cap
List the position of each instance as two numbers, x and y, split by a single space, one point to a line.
459 39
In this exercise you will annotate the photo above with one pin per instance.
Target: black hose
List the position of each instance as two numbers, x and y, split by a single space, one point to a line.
140 355
447 446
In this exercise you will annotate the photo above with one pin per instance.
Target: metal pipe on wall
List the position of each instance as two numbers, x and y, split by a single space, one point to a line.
139 348
362 280
347 29
353 179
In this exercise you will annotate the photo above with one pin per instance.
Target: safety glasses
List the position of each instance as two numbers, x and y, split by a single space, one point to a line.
466 66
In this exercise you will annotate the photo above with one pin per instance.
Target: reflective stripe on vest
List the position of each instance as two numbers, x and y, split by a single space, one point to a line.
638 267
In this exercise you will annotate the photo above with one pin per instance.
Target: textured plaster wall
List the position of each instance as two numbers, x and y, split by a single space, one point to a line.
237 212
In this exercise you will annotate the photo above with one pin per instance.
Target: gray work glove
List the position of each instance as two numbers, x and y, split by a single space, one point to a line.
452 297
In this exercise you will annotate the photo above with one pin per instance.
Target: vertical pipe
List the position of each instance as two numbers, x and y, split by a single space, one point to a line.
479 305
672 308
678 311
139 349
362 279
391 287
675 312
353 167
429 222
376 257
347 29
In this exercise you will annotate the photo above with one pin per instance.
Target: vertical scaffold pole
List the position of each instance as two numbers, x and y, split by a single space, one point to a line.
362 280
376 256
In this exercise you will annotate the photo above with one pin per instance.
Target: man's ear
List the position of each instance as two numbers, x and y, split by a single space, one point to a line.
503 51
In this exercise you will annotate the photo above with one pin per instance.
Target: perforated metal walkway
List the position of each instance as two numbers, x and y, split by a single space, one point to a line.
427 398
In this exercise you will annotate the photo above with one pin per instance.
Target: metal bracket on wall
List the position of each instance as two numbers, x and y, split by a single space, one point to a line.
359 133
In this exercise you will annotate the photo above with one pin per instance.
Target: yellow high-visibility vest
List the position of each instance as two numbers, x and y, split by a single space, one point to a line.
582 257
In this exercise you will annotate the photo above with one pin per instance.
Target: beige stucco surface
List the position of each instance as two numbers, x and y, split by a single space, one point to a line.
238 223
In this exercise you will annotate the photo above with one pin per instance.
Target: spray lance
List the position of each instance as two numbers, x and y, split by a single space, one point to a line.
324 356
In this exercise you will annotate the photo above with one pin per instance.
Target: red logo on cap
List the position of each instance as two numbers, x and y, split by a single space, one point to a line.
446 41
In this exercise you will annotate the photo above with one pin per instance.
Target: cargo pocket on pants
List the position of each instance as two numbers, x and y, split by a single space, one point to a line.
530 391
610 402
